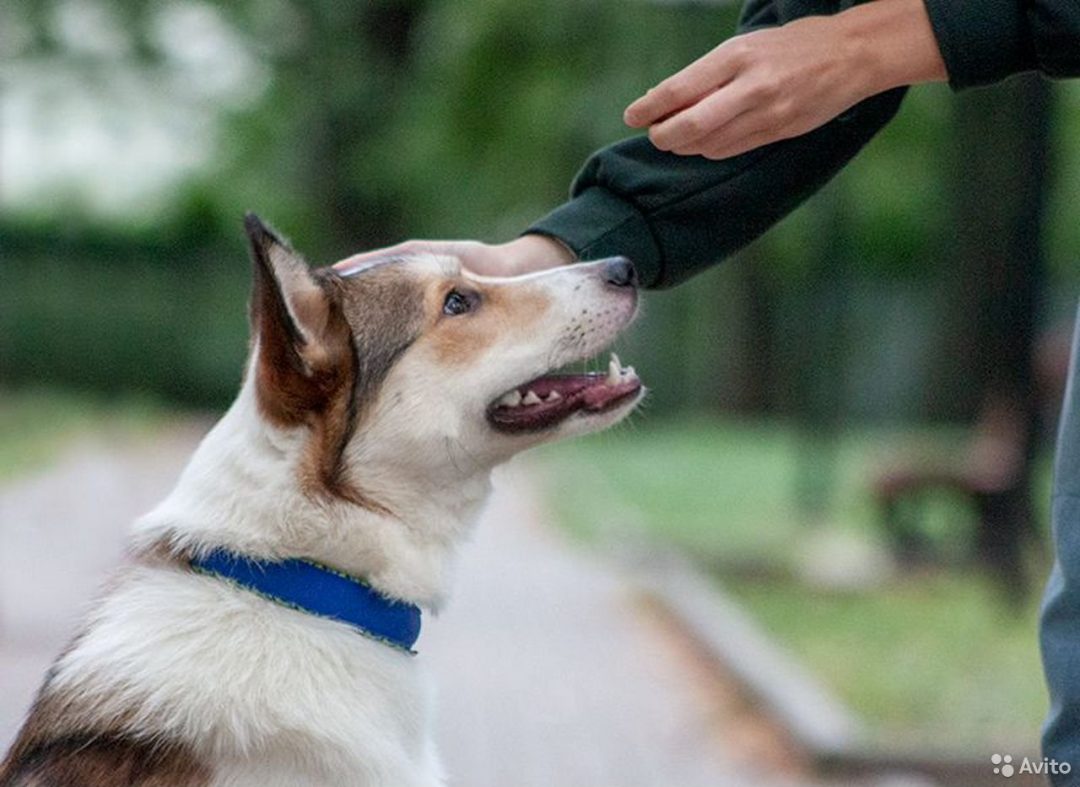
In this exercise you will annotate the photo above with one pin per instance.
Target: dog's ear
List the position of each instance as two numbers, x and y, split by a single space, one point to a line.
300 336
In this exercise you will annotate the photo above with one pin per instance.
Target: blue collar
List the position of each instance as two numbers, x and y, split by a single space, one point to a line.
307 586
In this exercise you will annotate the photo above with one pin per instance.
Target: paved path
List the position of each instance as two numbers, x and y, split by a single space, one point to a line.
549 673
61 531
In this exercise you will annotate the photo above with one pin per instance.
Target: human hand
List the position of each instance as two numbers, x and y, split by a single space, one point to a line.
781 82
526 254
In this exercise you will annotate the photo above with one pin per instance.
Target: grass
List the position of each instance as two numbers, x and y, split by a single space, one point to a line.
37 425
928 660
936 662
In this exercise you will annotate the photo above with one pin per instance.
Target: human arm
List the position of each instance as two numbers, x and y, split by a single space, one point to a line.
774 84
677 215
978 41
782 82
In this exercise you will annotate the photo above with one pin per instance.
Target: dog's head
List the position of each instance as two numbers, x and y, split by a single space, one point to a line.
416 368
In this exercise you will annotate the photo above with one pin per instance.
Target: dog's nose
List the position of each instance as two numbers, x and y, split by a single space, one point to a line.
619 272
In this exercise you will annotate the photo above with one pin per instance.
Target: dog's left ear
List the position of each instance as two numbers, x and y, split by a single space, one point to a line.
299 333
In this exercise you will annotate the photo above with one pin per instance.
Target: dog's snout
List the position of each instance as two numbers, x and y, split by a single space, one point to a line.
620 272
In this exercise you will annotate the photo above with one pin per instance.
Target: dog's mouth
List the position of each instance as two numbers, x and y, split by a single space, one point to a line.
549 400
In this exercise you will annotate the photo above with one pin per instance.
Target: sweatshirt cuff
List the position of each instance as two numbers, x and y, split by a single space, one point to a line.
598 223
981 41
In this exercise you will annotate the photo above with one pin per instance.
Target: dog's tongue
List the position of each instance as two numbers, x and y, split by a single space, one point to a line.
547 400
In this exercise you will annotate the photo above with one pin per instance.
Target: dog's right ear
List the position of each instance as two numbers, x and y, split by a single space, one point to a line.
300 337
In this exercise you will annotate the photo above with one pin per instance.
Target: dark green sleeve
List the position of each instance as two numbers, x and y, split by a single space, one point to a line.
675 216
984 41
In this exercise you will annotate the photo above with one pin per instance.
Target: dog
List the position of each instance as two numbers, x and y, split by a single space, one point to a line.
261 632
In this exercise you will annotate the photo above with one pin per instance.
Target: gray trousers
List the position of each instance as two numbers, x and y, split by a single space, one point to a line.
1060 626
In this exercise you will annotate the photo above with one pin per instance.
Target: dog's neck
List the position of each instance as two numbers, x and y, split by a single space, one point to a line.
241 491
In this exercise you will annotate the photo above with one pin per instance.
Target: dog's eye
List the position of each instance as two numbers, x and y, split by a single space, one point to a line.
456 303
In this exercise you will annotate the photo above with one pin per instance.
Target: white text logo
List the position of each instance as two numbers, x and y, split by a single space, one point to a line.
1003 766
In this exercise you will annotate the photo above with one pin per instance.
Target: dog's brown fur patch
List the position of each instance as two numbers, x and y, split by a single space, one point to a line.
323 372
504 310
378 315
59 746
105 761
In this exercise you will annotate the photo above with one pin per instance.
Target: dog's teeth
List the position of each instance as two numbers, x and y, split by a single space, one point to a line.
531 398
554 396
614 371
511 399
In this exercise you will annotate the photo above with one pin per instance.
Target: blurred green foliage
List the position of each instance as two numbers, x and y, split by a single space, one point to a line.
158 312
902 658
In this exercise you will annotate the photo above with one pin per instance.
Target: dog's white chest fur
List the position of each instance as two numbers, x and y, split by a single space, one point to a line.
268 695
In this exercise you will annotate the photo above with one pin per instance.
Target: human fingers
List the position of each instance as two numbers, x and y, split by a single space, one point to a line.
683 88
364 258
684 131
526 254
407 248
743 134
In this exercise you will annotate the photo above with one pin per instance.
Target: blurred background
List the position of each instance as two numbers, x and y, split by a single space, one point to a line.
849 425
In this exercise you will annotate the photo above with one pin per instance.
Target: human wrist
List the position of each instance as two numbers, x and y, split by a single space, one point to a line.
890 43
